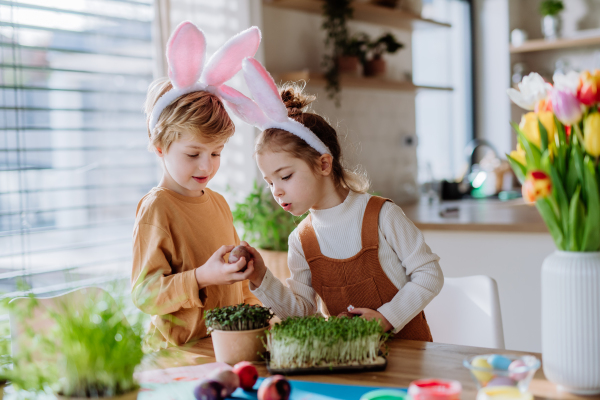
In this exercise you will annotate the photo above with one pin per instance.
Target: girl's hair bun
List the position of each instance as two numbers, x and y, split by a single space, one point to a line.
294 98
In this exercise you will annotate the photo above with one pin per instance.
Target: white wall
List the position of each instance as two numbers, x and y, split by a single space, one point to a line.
514 260
492 73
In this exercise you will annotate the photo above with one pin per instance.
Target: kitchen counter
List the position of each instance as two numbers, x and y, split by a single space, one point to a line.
476 215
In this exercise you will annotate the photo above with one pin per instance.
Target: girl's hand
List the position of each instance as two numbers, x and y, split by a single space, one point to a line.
260 269
369 314
217 272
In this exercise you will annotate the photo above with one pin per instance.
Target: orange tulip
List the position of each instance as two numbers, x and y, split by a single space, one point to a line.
537 185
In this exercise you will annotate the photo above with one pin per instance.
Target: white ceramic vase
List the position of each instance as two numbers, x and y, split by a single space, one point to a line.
571 321
551 27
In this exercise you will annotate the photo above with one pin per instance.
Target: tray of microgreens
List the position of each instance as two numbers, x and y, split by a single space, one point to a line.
241 317
312 345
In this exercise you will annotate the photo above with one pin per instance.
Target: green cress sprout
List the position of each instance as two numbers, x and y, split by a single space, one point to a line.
313 341
243 317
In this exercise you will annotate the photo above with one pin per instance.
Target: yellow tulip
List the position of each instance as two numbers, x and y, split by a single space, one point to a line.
519 155
591 134
529 126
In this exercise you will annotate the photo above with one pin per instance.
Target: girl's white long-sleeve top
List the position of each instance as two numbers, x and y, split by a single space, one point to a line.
404 256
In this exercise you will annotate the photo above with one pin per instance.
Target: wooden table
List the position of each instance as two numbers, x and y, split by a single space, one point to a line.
407 361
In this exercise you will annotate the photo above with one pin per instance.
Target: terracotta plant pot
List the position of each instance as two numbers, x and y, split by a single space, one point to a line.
375 67
276 261
133 395
231 347
348 65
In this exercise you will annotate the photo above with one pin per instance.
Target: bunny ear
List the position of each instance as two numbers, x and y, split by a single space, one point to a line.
263 89
186 51
245 108
227 61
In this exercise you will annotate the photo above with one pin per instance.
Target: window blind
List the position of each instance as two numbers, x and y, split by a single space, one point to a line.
73 157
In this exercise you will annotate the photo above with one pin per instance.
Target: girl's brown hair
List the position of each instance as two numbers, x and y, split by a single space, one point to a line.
276 139
199 113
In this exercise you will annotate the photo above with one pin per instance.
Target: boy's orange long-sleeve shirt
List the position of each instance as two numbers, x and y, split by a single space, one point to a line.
173 235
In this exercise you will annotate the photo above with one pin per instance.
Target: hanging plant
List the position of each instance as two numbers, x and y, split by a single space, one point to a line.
336 13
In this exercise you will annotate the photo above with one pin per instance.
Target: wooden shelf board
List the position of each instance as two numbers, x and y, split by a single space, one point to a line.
365 12
358 82
544 45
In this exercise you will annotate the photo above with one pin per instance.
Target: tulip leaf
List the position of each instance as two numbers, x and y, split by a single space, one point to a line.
562 136
572 178
591 233
576 221
559 192
543 135
546 210
532 153
577 160
519 169
562 149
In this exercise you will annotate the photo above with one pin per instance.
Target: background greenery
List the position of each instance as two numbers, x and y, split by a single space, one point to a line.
262 222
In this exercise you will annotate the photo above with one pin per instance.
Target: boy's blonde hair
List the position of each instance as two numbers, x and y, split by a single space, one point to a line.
199 113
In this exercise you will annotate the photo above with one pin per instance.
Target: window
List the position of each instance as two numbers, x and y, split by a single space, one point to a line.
442 57
73 157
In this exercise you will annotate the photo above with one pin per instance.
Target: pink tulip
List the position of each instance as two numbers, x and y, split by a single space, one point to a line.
567 108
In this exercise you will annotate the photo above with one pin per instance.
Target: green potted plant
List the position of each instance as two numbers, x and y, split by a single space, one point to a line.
78 346
313 341
266 226
238 331
551 21
353 53
376 65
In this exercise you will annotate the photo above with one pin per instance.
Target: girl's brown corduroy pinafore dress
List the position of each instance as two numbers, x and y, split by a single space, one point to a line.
359 280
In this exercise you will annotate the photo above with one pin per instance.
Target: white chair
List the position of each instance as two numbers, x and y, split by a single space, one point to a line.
22 316
467 312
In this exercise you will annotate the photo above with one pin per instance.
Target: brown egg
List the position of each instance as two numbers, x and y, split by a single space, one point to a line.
239 252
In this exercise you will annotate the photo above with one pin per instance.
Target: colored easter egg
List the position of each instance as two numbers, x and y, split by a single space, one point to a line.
227 378
481 376
517 376
503 393
275 387
210 390
247 373
501 381
499 362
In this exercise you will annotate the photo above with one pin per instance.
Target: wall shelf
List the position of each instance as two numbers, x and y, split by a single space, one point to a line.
365 12
564 43
357 82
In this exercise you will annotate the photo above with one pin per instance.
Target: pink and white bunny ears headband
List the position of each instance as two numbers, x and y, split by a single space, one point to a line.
267 110
186 53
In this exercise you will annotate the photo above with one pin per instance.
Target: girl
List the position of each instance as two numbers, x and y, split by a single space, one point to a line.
355 252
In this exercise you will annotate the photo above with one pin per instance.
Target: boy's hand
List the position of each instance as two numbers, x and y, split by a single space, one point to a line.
260 269
367 313
217 272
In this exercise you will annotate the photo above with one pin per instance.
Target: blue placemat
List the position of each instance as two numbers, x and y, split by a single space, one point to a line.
301 390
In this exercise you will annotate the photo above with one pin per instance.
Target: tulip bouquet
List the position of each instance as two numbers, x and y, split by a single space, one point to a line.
557 155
